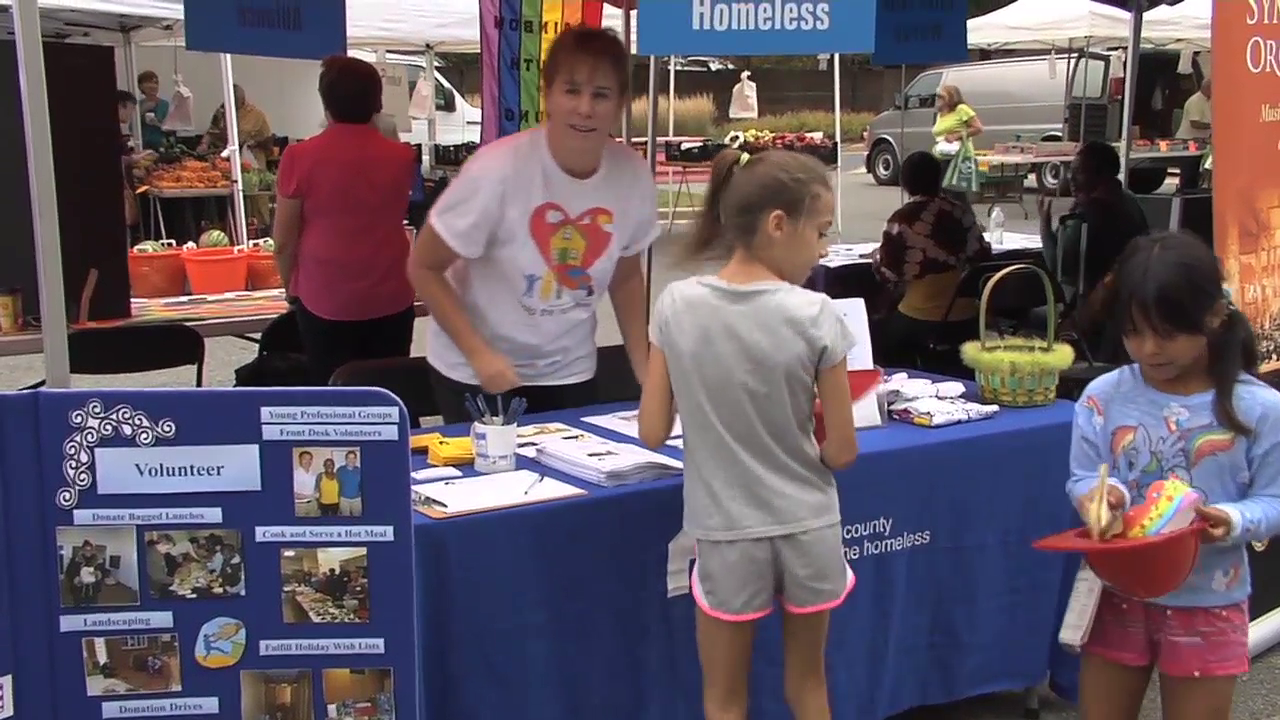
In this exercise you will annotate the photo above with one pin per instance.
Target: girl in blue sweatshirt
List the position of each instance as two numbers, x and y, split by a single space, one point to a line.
1188 407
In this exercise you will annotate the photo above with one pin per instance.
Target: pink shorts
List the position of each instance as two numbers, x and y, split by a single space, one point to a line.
1178 642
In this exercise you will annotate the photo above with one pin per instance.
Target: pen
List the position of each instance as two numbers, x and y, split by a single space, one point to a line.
433 502
484 410
470 404
502 417
533 484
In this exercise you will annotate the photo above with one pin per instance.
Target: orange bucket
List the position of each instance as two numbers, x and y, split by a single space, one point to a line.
157 274
263 274
212 271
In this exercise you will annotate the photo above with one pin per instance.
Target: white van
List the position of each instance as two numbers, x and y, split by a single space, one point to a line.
457 121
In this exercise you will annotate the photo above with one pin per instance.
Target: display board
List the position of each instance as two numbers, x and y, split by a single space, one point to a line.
1246 198
7 587
225 553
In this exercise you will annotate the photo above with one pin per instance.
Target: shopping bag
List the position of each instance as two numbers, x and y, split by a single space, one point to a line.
962 173
180 118
422 105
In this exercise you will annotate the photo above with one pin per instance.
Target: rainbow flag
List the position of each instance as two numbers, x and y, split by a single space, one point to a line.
515 36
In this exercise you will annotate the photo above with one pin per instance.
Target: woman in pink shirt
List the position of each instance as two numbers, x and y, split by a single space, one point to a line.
339 228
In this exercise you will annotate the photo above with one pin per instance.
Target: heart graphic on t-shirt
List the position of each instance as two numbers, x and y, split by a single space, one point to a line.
570 246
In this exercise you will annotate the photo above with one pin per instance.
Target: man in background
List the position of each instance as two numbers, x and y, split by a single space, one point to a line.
1197 124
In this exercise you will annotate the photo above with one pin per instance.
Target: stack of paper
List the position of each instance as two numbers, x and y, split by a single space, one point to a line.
607 463
489 492
627 422
530 437
443 450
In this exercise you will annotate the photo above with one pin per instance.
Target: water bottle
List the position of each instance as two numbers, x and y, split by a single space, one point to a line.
996 226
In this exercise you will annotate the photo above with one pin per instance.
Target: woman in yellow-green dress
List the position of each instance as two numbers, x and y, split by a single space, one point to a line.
956 122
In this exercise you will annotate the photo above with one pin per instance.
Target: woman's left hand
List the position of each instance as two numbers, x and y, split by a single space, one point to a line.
1217 524
952 137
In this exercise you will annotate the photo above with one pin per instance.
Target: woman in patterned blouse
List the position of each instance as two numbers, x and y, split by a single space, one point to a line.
926 246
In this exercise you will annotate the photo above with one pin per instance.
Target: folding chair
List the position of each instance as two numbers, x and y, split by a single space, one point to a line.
615 380
408 378
132 349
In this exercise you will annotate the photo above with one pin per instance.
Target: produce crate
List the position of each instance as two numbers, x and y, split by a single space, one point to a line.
452 155
686 151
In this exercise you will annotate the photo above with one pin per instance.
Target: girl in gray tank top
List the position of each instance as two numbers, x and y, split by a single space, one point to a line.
744 354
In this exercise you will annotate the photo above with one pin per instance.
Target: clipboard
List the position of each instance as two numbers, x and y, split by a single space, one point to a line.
522 478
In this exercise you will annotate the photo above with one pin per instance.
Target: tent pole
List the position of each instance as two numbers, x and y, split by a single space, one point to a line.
44 192
131 80
1130 88
240 229
835 62
651 153
626 39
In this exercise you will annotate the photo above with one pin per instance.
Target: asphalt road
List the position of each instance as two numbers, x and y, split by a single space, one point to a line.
864 209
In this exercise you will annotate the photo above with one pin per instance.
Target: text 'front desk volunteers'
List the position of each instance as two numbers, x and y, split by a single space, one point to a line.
574 608
215 553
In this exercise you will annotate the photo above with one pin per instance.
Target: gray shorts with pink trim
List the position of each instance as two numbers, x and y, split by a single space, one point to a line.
740 580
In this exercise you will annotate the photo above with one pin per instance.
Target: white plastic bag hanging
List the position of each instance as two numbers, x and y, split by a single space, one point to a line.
743 104
422 106
180 117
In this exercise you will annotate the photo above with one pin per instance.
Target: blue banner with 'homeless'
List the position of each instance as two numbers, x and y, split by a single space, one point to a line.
896 32
755 27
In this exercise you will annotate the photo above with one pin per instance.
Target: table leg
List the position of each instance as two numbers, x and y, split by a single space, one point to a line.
1031 703
158 213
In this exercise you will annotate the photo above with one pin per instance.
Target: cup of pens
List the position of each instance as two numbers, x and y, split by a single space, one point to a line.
494 434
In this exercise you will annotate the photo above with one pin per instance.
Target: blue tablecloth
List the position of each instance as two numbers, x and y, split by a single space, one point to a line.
560 611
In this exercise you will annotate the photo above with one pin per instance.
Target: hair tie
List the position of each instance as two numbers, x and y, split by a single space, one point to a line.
743 158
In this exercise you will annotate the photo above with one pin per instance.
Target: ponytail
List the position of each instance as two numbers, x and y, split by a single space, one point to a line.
1233 349
709 231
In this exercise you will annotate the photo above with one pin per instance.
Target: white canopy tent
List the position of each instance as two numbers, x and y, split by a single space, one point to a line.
1186 26
1046 25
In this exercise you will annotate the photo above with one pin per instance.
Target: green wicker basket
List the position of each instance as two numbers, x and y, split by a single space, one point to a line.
1015 371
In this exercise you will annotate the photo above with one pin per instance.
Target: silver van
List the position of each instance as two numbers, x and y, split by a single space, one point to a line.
1016 99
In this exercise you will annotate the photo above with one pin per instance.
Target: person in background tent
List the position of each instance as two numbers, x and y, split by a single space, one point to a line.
153 109
1113 219
1190 407
255 139
537 227
926 246
339 230
1197 124
126 105
744 354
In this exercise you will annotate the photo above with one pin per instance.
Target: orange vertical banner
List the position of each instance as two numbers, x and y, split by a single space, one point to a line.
571 12
1246 192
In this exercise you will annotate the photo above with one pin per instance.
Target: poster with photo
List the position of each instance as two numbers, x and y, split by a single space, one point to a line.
167 566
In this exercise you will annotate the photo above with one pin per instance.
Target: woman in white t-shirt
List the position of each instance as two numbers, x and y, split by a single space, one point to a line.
537 226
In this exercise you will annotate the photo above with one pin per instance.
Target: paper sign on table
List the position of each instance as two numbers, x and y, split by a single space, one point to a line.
531 437
866 411
627 422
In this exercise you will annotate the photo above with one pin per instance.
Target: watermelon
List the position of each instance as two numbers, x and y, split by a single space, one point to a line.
148 246
267 245
214 238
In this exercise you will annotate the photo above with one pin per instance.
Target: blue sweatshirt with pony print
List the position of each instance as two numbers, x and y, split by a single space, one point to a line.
1146 435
